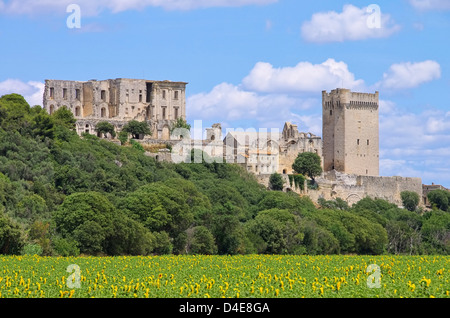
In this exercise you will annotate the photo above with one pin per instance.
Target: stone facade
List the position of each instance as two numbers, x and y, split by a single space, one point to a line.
118 101
352 188
427 188
293 142
350 132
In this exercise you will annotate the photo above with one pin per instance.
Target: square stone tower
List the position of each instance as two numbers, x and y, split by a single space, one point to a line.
350 132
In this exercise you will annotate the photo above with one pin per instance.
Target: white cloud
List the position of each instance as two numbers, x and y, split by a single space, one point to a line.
351 24
304 77
229 102
410 75
32 91
415 144
89 7
430 4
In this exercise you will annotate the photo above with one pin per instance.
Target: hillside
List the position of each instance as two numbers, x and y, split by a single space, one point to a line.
61 194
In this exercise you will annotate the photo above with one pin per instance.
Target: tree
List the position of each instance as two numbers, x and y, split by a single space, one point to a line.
137 128
123 137
202 241
276 182
440 199
279 232
11 238
86 217
410 200
104 128
64 117
180 123
14 111
308 163
43 126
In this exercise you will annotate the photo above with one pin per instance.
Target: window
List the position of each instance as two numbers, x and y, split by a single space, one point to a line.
176 112
175 95
140 98
357 141
64 93
77 111
52 108
77 94
103 112
367 142
331 112
164 94
164 113
52 92
103 95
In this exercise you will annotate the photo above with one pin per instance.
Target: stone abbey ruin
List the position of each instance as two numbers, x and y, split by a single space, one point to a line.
349 146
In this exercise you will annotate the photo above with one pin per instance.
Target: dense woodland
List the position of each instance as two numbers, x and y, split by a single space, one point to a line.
61 194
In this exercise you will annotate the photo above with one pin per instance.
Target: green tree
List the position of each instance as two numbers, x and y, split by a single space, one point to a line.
308 163
410 200
43 126
276 182
202 241
137 128
180 123
440 199
64 117
11 237
279 232
15 113
104 128
88 219
123 137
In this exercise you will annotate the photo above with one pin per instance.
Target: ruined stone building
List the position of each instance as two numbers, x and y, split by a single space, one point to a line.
293 142
118 101
348 148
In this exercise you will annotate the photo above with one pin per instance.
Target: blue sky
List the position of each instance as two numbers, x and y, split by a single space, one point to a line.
254 63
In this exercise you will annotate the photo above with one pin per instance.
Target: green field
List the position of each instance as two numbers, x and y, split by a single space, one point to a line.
250 276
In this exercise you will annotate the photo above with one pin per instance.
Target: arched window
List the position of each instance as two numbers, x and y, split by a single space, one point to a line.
103 112
77 111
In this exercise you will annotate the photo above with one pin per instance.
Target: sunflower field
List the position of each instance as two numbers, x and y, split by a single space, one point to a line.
250 276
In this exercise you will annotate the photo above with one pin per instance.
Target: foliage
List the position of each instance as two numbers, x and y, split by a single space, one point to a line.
123 137
276 182
180 123
410 200
67 195
336 204
439 199
64 117
202 241
11 238
137 128
105 128
308 163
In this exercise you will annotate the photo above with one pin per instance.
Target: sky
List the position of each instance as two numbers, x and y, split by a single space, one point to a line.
253 64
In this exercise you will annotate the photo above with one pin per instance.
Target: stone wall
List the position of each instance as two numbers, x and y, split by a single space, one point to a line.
353 188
